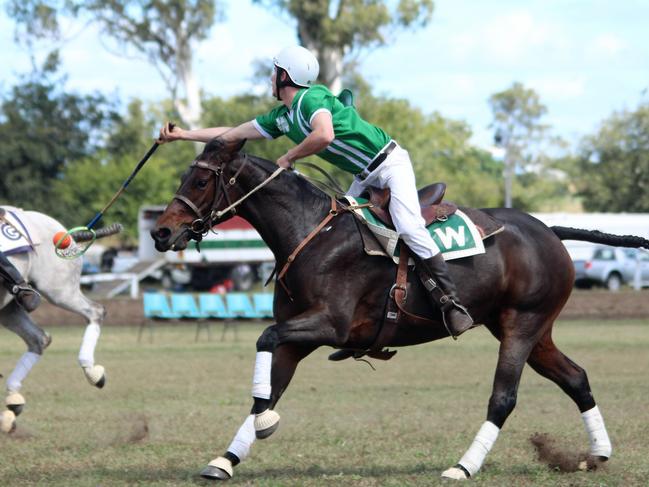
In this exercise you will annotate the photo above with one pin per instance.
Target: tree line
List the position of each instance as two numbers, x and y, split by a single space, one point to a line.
66 153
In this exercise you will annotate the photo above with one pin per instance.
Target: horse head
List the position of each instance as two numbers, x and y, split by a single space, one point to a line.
206 187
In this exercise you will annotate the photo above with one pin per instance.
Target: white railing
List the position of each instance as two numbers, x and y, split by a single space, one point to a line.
108 277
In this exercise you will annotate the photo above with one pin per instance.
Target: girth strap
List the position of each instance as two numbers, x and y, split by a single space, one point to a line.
396 306
400 291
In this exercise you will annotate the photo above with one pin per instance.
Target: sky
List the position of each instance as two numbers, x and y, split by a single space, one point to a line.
585 58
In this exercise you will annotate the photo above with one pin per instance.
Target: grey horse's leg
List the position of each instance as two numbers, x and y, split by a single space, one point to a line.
16 319
71 298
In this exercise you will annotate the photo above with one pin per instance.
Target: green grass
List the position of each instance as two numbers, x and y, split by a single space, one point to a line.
342 423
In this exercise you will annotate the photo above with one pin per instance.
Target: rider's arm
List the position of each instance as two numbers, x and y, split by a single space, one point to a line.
318 140
244 131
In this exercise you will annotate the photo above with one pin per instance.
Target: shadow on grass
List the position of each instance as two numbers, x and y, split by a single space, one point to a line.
169 475
320 471
125 475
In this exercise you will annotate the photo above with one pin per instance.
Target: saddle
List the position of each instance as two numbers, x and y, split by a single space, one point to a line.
432 209
430 201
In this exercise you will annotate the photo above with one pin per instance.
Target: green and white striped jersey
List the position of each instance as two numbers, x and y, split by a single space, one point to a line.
356 142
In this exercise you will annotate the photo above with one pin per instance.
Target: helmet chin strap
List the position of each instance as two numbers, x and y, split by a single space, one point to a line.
278 83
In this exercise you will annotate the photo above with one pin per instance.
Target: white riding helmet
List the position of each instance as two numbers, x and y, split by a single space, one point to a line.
300 65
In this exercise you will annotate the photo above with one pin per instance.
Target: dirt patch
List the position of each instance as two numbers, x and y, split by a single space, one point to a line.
601 304
562 460
595 304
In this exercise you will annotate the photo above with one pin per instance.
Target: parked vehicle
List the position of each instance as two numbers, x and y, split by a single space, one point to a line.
612 267
233 251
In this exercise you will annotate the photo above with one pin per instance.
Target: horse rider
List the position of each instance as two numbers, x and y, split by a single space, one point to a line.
314 119
13 281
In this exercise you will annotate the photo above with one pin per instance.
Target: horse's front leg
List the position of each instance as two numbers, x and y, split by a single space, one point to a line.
16 319
279 350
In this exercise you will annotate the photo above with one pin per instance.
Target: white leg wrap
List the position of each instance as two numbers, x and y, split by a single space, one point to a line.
600 444
87 350
484 440
261 377
244 439
23 366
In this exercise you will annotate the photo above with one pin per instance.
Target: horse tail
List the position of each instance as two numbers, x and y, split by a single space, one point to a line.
86 235
595 236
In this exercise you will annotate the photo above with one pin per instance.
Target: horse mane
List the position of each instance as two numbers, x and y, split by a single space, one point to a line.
217 148
303 185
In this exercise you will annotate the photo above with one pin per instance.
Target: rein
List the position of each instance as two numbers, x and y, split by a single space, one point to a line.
204 223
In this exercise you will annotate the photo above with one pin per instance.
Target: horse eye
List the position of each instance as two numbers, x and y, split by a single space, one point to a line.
201 183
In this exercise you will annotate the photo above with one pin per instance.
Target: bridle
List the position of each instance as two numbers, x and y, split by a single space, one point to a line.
201 225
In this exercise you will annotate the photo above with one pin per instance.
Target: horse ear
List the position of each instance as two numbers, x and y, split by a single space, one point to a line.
240 145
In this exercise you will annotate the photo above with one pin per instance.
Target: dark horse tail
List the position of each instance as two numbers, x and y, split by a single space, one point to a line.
595 236
85 235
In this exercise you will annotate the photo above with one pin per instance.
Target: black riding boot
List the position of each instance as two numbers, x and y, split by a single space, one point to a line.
433 273
25 295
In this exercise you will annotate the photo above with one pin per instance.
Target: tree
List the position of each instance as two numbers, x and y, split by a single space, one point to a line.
43 128
612 171
87 184
337 31
165 33
516 112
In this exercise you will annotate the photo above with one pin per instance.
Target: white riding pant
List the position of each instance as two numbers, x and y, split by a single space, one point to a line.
397 174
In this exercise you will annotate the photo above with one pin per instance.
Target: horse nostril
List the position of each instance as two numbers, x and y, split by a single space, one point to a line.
161 234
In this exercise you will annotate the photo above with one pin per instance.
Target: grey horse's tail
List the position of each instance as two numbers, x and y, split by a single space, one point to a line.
85 235
595 236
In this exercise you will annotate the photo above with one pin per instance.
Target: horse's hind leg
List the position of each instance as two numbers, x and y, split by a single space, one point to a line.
70 297
16 319
284 362
515 347
548 361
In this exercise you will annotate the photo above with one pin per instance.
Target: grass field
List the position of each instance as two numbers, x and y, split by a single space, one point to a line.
171 406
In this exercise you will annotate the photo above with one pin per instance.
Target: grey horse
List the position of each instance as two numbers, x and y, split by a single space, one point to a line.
58 280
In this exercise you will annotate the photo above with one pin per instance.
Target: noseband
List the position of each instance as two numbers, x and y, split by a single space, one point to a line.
205 222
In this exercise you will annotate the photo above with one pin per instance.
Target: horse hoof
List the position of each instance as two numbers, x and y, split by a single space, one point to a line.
15 403
16 408
7 421
454 473
343 354
266 423
591 463
47 340
218 469
96 375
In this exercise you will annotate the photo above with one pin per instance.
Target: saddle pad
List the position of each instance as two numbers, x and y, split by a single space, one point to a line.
14 235
456 237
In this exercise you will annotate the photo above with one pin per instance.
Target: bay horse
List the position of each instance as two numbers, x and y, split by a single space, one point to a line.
334 294
58 280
